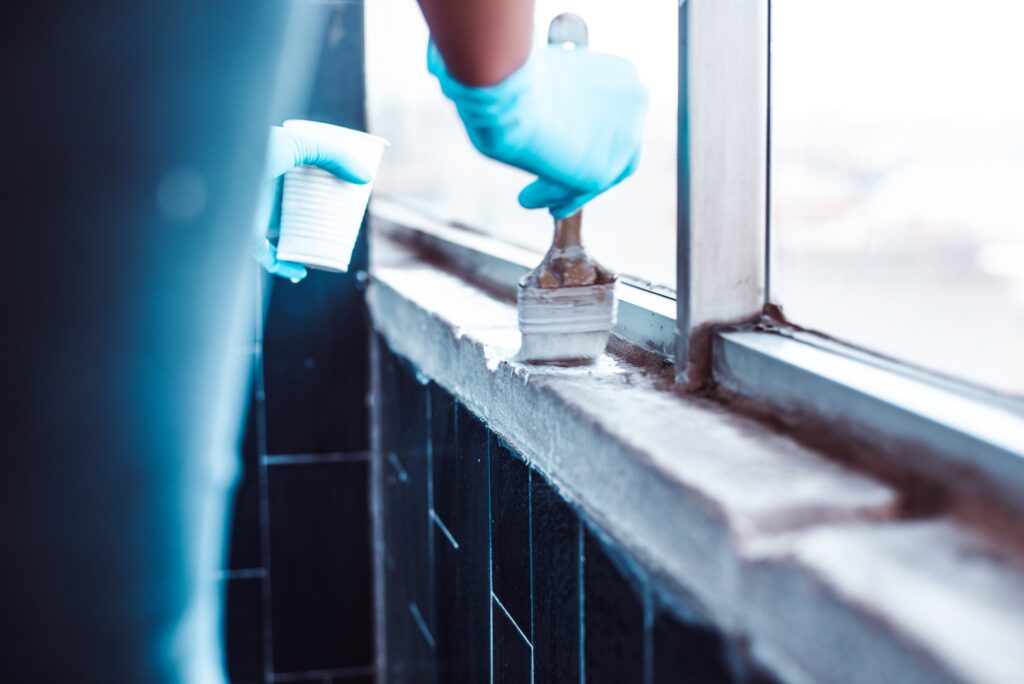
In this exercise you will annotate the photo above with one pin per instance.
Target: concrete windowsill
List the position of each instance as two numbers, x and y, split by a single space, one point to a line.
806 559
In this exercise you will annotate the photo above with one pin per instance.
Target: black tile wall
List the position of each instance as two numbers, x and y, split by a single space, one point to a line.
443 427
244 544
760 675
403 430
316 375
407 522
442 452
320 565
685 651
523 589
243 647
613 618
557 539
331 677
244 548
510 535
461 544
512 656
444 434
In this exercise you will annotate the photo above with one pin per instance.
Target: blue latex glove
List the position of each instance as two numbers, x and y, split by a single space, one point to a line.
288 148
571 116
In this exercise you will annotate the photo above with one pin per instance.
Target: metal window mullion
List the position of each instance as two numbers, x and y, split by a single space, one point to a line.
722 185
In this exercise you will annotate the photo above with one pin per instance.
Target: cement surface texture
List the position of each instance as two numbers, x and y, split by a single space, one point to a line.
803 557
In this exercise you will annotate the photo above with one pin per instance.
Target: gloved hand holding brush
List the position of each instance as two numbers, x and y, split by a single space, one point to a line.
571 116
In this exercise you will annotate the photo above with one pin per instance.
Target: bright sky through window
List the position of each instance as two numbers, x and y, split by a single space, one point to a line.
898 179
432 164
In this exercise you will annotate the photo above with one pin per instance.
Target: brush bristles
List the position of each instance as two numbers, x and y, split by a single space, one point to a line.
565 324
563 347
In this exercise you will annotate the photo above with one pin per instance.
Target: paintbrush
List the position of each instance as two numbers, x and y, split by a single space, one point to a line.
567 304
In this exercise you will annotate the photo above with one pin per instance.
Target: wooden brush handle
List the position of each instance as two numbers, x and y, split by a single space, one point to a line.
567 231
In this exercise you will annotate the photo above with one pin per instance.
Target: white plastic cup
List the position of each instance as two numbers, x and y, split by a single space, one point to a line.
321 213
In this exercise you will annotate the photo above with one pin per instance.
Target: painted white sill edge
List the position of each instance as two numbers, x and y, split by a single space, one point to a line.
793 552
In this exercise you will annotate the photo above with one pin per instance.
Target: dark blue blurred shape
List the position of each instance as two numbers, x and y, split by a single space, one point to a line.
132 143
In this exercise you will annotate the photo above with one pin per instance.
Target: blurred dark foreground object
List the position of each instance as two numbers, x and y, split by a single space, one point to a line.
132 142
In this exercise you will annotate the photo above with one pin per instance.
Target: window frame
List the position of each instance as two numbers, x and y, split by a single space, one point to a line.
720 330
916 421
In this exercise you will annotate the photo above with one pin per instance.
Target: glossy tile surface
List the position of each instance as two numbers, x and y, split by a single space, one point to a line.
316 366
510 534
511 651
409 593
461 545
404 412
243 629
613 620
320 566
444 441
687 652
556 585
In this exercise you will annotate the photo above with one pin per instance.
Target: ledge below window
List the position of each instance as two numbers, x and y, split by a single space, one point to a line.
809 561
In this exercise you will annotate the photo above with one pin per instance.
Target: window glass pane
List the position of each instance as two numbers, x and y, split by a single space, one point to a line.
432 163
897 179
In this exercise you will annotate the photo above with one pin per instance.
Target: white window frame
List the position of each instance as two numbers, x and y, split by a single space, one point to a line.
719 330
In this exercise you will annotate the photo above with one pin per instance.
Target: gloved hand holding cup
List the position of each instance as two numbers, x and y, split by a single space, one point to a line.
328 177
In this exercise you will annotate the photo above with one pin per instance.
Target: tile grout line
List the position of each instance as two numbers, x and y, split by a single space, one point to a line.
431 551
580 560
422 624
326 457
377 508
497 600
490 560
437 521
238 574
529 544
396 463
648 634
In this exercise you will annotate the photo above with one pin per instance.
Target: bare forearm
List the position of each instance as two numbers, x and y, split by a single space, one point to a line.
482 41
